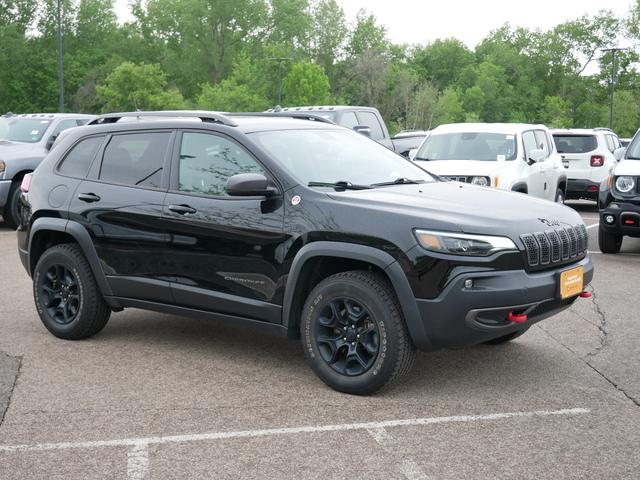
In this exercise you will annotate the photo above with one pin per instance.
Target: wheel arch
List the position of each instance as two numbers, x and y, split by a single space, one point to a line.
47 232
318 260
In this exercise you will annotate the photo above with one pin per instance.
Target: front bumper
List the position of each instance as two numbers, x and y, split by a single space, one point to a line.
463 316
621 218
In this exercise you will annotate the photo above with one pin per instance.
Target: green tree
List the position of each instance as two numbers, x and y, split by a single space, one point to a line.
142 86
307 84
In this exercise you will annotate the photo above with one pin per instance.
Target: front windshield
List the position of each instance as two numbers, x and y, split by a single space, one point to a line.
29 130
330 156
633 150
468 146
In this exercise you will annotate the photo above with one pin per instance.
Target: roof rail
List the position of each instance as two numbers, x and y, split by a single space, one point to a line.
603 128
204 116
290 114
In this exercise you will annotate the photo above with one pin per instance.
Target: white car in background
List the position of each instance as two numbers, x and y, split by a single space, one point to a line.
509 156
588 154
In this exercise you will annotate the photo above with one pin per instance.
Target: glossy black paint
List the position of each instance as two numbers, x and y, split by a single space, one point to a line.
253 259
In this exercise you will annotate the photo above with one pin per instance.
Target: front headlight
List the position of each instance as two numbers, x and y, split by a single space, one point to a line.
463 244
482 181
625 183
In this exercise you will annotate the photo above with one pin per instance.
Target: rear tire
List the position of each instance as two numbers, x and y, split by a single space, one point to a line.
354 334
609 242
66 294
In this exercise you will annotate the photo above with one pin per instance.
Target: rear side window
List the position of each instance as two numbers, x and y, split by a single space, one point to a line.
575 143
135 159
77 162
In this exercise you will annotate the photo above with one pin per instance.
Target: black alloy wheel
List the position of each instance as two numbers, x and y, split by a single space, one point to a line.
354 333
66 294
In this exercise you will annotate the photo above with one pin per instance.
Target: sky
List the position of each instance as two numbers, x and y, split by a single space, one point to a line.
424 21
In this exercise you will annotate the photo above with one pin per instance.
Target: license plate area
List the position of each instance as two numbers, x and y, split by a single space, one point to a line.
571 282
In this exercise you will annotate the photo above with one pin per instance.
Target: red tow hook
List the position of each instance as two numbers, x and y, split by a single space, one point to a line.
516 317
585 294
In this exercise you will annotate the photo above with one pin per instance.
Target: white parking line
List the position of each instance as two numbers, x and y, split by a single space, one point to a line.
138 456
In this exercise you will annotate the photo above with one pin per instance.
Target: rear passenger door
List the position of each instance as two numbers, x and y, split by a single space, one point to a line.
222 249
120 204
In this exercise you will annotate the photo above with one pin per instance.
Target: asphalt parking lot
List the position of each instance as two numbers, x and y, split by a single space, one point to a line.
164 397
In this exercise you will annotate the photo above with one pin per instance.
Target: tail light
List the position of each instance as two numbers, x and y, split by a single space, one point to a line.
597 161
26 182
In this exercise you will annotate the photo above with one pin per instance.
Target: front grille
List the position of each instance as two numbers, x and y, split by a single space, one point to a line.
555 246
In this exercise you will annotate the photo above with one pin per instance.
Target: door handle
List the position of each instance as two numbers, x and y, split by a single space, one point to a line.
182 209
89 197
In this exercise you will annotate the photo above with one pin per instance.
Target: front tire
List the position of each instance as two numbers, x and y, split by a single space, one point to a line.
11 214
354 334
560 196
66 294
609 242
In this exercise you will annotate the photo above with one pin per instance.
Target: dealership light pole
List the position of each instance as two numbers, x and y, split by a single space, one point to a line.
613 78
279 60
60 60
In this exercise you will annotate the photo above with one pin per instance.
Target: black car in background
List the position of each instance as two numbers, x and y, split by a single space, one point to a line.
292 225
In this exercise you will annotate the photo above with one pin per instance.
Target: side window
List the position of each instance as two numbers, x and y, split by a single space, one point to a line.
77 162
135 159
63 125
207 161
529 141
349 120
613 143
542 142
370 120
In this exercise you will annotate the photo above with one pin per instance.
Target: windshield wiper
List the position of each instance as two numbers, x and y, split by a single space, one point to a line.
340 184
422 158
398 181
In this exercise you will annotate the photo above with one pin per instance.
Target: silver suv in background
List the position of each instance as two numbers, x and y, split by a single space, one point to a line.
24 141
588 154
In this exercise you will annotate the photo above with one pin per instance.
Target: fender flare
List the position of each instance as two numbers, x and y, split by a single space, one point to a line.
374 256
81 236
520 187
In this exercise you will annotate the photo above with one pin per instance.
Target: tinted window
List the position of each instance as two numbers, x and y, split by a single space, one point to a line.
207 161
575 143
135 159
77 162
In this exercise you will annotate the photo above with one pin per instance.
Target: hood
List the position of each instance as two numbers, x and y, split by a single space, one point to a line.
9 146
627 167
463 167
453 206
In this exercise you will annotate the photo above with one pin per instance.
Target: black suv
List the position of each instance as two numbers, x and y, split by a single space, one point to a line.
295 226
619 200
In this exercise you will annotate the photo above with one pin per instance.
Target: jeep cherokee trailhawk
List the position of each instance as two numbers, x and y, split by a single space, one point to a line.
292 225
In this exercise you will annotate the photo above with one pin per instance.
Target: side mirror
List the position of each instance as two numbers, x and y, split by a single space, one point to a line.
50 142
536 155
619 153
249 185
363 129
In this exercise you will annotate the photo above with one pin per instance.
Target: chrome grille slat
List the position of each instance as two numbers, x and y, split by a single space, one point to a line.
555 246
